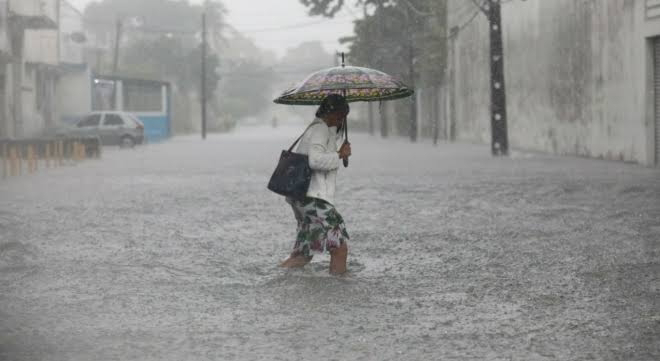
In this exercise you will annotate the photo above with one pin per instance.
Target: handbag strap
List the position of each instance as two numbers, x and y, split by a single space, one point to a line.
300 137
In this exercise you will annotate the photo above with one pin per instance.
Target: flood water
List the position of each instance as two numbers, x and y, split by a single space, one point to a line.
170 252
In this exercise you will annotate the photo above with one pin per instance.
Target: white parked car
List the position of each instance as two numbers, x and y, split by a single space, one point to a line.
112 127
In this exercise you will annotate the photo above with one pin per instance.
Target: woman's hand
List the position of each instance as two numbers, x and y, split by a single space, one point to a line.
345 151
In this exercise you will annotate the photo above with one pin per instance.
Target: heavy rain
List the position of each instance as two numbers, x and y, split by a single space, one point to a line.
472 180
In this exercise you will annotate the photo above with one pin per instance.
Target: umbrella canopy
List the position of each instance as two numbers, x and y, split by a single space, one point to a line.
355 83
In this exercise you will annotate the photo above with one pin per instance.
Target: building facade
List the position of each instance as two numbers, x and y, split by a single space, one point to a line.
44 77
32 30
6 122
74 83
582 77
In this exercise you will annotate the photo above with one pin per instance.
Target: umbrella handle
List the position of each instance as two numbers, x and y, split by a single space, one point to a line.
345 124
345 160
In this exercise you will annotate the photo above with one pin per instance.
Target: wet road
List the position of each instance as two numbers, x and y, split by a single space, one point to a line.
169 252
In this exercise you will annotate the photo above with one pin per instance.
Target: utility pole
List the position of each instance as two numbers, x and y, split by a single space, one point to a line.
435 114
499 132
203 90
115 63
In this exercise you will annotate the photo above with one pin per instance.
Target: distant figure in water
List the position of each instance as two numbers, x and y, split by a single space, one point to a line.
320 227
274 121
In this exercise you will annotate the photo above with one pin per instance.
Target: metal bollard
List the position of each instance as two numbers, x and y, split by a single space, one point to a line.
60 153
47 156
19 154
83 149
74 151
35 157
78 152
13 161
5 171
29 156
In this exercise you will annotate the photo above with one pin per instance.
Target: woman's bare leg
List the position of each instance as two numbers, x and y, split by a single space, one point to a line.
338 258
296 261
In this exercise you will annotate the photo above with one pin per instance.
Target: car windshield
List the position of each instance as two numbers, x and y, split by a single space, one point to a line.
135 119
91 120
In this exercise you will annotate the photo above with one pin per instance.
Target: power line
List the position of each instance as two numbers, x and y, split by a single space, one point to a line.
457 29
294 26
156 30
467 23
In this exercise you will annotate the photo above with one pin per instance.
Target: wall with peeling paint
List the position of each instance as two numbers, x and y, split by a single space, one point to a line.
577 77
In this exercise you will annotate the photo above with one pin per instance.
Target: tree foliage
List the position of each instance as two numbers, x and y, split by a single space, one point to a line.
327 8
161 39
406 38
395 34
246 88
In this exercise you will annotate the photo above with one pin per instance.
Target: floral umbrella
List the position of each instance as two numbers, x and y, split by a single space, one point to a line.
355 83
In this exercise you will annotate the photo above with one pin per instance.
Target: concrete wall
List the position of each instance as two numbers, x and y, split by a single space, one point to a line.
74 95
38 100
577 77
6 120
6 101
37 87
41 46
5 46
33 122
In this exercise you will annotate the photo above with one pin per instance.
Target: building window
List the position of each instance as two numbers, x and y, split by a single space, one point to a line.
143 97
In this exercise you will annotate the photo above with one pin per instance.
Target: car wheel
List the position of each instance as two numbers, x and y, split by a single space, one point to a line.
127 142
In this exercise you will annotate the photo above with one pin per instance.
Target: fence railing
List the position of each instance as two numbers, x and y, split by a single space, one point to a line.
26 156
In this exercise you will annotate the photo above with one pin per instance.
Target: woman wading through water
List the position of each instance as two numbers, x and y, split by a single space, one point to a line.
320 227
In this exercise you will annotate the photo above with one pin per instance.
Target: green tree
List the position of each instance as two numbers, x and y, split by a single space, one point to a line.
246 88
160 40
169 58
329 8
405 38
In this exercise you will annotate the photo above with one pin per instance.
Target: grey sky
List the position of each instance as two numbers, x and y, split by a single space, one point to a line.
281 26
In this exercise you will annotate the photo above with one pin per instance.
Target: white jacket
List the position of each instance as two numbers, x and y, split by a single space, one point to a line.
320 144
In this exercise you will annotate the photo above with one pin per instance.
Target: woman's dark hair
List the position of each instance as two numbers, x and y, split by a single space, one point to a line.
331 104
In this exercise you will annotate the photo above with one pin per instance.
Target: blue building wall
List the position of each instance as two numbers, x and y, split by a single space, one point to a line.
156 127
110 93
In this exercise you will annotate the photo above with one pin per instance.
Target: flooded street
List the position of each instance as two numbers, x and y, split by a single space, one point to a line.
170 252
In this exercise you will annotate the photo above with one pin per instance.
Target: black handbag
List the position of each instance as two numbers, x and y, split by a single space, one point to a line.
292 175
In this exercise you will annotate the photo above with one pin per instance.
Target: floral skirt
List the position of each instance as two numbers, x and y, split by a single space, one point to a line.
320 226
